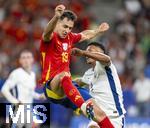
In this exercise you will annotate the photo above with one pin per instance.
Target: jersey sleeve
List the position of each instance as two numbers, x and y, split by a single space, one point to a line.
44 44
76 37
8 85
53 35
11 81
99 68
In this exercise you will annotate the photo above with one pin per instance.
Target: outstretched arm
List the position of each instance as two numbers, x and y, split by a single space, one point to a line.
89 34
101 57
48 32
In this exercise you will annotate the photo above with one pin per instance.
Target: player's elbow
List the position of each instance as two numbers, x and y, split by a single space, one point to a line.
46 36
4 91
108 59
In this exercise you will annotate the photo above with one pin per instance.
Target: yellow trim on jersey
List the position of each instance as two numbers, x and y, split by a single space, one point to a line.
43 59
77 112
53 95
48 72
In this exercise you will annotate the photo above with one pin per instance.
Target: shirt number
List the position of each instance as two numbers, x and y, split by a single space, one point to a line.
64 57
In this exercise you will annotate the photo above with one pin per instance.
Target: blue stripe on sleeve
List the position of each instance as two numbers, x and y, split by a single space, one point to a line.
113 89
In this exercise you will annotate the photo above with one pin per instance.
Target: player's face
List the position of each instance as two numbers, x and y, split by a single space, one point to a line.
64 27
93 48
26 60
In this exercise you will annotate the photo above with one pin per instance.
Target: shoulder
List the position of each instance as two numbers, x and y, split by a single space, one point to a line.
99 68
54 35
73 35
15 73
112 66
99 65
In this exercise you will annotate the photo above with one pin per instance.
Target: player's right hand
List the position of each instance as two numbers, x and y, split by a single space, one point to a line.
103 27
59 10
76 52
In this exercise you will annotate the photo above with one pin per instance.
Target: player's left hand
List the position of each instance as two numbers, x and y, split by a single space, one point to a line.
59 10
103 27
77 52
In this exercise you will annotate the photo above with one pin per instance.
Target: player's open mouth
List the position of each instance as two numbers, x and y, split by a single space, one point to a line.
64 35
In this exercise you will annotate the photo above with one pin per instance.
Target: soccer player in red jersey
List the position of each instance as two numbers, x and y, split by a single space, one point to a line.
56 44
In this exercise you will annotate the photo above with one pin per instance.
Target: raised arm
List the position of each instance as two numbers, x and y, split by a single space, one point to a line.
89 34
48 31
101 57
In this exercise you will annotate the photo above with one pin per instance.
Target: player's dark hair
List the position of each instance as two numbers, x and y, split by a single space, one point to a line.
101 46
69 15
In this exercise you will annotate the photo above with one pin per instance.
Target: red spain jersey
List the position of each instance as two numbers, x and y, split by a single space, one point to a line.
55 55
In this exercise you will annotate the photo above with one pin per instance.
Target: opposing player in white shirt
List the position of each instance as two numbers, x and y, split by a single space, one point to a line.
103 82
19 88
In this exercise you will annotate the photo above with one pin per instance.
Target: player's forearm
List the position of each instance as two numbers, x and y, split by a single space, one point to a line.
89 34
9 97
50 28
97 56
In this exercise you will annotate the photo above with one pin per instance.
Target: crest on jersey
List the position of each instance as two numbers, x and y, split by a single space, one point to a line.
65 46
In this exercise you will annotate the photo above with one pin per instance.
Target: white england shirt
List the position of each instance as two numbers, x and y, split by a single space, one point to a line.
105 88
20 86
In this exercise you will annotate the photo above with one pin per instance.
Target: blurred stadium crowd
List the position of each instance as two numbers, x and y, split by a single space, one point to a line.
128 42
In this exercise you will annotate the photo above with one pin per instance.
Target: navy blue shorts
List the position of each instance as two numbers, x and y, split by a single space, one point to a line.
65 101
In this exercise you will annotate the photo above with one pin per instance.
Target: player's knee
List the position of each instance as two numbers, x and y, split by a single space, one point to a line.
63 74
99 113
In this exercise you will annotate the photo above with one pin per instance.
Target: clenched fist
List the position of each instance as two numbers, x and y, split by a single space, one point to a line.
103 27
77 52
59 10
